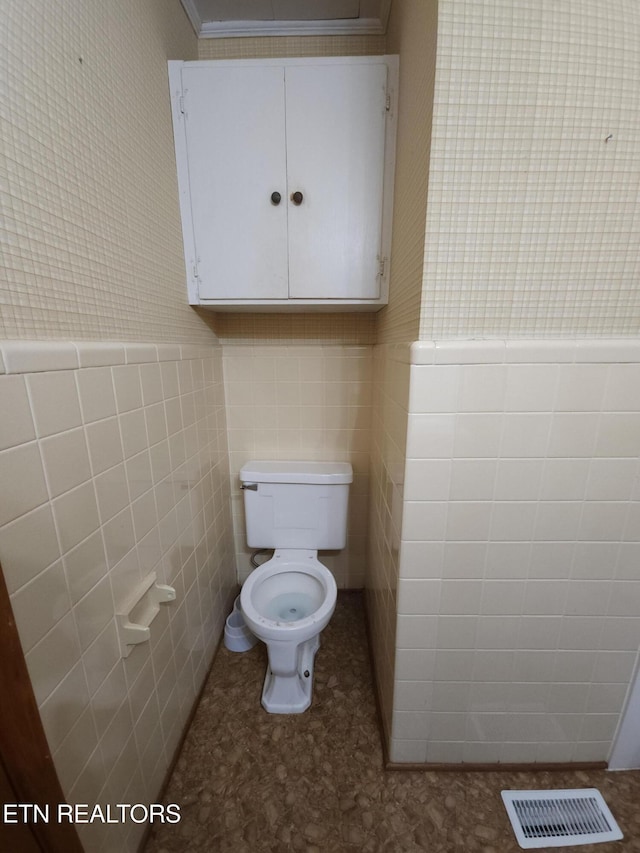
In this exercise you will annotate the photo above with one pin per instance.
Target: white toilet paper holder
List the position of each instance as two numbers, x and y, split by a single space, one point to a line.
138 612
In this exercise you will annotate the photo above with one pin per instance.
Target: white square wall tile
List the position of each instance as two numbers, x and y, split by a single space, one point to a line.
541 632
551 560
564 479
408 751
22 476
105 444
618 434
93 612
151 381
27 546
420 597
513 521
38 605
460 597
76 515
414 664
434 389
545 598
588 598
424 520
427 479
502 598
581 387
85 565
482 388
493 666
595 560
468 520
497 632
611 480
112 492
451 696
119 536
421 559
71 755
16 424
445 752
128 390
54 401
573 435
531 388
557 521
525 435
472 479
410 725
477 435
66 461
133 429
622 393
53 657
413 695
518 479
430 436
627 557
97 398
603 520
417 632
457 632
507 560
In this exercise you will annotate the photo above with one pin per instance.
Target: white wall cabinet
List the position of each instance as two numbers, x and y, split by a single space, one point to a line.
285 171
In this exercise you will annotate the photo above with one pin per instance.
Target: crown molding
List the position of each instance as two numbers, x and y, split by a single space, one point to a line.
190 8
240 29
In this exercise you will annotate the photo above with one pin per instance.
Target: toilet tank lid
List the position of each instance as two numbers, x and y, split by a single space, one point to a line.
268 471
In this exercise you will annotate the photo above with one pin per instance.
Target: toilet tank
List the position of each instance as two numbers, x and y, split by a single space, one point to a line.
296 504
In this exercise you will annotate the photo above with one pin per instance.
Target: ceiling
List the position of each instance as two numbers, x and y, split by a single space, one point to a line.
227 18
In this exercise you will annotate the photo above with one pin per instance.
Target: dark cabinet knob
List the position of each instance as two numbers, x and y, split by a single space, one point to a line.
275 198
297 197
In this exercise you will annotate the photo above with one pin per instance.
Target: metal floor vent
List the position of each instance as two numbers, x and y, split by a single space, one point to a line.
560 818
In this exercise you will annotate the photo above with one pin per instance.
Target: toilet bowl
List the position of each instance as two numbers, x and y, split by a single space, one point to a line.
286 603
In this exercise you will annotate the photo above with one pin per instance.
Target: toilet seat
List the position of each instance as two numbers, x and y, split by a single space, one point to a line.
263 583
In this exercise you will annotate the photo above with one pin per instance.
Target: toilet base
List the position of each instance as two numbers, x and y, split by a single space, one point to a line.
291 694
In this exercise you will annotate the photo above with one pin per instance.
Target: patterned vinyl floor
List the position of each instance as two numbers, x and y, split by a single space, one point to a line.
250 782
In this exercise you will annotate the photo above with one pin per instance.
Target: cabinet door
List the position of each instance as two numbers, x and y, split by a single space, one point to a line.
335 157
235 130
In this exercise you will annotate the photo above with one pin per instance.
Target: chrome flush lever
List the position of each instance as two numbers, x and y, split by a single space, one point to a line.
252 486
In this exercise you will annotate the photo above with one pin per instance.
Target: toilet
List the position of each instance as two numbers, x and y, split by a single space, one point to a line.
296 508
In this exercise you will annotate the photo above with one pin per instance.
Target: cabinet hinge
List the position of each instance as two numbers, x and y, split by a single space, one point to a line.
381 267
387 104
195 271
181 103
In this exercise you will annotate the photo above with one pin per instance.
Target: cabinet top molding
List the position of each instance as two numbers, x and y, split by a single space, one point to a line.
390 60
323 17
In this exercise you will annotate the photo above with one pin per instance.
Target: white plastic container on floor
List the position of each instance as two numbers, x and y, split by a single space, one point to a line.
237 637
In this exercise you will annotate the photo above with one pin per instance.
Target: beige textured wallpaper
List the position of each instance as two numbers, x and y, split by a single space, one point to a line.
283 46
411 35
91 240
533 225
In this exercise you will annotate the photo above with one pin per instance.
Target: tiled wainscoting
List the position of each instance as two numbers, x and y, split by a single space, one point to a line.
388 450
519 564
302 402
114 465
